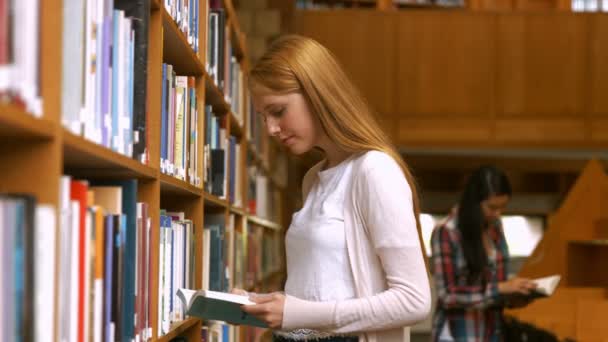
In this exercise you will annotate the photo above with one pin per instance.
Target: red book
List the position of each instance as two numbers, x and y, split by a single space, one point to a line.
78 192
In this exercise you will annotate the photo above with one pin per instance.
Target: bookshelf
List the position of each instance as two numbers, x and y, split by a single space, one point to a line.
36 152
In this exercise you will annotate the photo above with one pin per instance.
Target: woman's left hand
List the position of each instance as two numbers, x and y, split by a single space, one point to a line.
268 308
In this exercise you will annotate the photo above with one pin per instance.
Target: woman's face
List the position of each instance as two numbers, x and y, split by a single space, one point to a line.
289 120
493 206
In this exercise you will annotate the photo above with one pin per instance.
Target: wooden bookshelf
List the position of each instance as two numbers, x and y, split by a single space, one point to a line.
87 159
180 328
264 223
172 185
176 50
36 152
214 201
16 124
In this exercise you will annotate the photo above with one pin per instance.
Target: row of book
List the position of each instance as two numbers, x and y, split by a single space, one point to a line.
236 258
222 156
104 262
221 332
590 5
20 81
104 51
177 252
179 153
27 268
264 197
186 16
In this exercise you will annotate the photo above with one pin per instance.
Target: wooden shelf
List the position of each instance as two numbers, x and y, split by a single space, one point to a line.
595 242
213 201
87 159
174 186
235 127
15 123
176 49
264 223
238 211
214 96
178 329
237 38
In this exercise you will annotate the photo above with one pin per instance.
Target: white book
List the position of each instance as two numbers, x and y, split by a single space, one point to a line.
88 272
161 278
72 64
63 329
90 70
206 248
72 316
545 286
25 38
218 306
45 272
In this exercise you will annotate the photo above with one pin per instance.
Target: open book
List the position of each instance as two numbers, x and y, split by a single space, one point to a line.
545 286
218 306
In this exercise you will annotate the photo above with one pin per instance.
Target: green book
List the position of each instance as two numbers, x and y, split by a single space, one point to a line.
218 306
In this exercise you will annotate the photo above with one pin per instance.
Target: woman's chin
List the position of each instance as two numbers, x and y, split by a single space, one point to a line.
298 149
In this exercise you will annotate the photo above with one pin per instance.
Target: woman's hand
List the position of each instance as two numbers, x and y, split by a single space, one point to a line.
268 308
240 292
516 285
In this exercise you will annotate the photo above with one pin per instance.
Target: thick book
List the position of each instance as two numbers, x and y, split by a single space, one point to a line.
218 306
545 286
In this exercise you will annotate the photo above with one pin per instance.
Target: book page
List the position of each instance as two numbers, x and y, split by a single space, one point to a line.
547 285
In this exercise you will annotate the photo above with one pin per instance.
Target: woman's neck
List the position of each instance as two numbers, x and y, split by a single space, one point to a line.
334 155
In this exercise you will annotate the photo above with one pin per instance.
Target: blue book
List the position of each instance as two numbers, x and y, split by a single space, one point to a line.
108 271
129 209
218 306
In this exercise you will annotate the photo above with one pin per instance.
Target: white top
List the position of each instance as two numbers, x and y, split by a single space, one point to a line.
385 256
315 244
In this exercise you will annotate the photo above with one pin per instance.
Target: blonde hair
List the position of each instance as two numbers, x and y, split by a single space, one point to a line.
296 64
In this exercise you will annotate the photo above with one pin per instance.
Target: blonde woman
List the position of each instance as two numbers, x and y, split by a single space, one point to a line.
355 268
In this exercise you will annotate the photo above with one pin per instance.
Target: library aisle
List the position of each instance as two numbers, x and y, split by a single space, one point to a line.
131 165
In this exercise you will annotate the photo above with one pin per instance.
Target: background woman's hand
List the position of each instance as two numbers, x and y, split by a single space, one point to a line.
268 308
516 286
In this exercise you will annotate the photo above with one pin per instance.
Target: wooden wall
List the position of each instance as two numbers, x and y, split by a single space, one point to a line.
460 78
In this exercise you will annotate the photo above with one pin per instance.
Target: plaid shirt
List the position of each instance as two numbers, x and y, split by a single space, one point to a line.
472 312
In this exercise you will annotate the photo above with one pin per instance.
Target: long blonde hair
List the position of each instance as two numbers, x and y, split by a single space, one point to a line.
296 64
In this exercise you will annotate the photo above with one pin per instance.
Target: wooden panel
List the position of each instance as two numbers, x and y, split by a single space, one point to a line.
599 129
591 320
364 42
445 63
599 64
537 130
583 253
541 64
443 131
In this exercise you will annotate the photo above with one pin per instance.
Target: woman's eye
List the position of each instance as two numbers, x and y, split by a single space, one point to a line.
278 113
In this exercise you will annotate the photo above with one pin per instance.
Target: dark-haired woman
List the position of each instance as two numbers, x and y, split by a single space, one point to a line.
470 263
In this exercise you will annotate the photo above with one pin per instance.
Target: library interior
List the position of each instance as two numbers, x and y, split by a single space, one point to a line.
134 164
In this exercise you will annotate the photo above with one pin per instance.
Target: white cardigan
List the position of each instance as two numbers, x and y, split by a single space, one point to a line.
385 255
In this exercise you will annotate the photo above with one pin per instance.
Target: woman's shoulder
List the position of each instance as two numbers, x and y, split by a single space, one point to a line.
371 162
447 227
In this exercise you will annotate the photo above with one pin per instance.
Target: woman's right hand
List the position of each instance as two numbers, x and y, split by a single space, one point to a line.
516 285
240 292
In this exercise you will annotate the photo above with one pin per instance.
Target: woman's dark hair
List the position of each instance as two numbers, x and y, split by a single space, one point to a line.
485 182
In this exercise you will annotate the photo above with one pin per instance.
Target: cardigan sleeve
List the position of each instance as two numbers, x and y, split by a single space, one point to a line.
385 204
